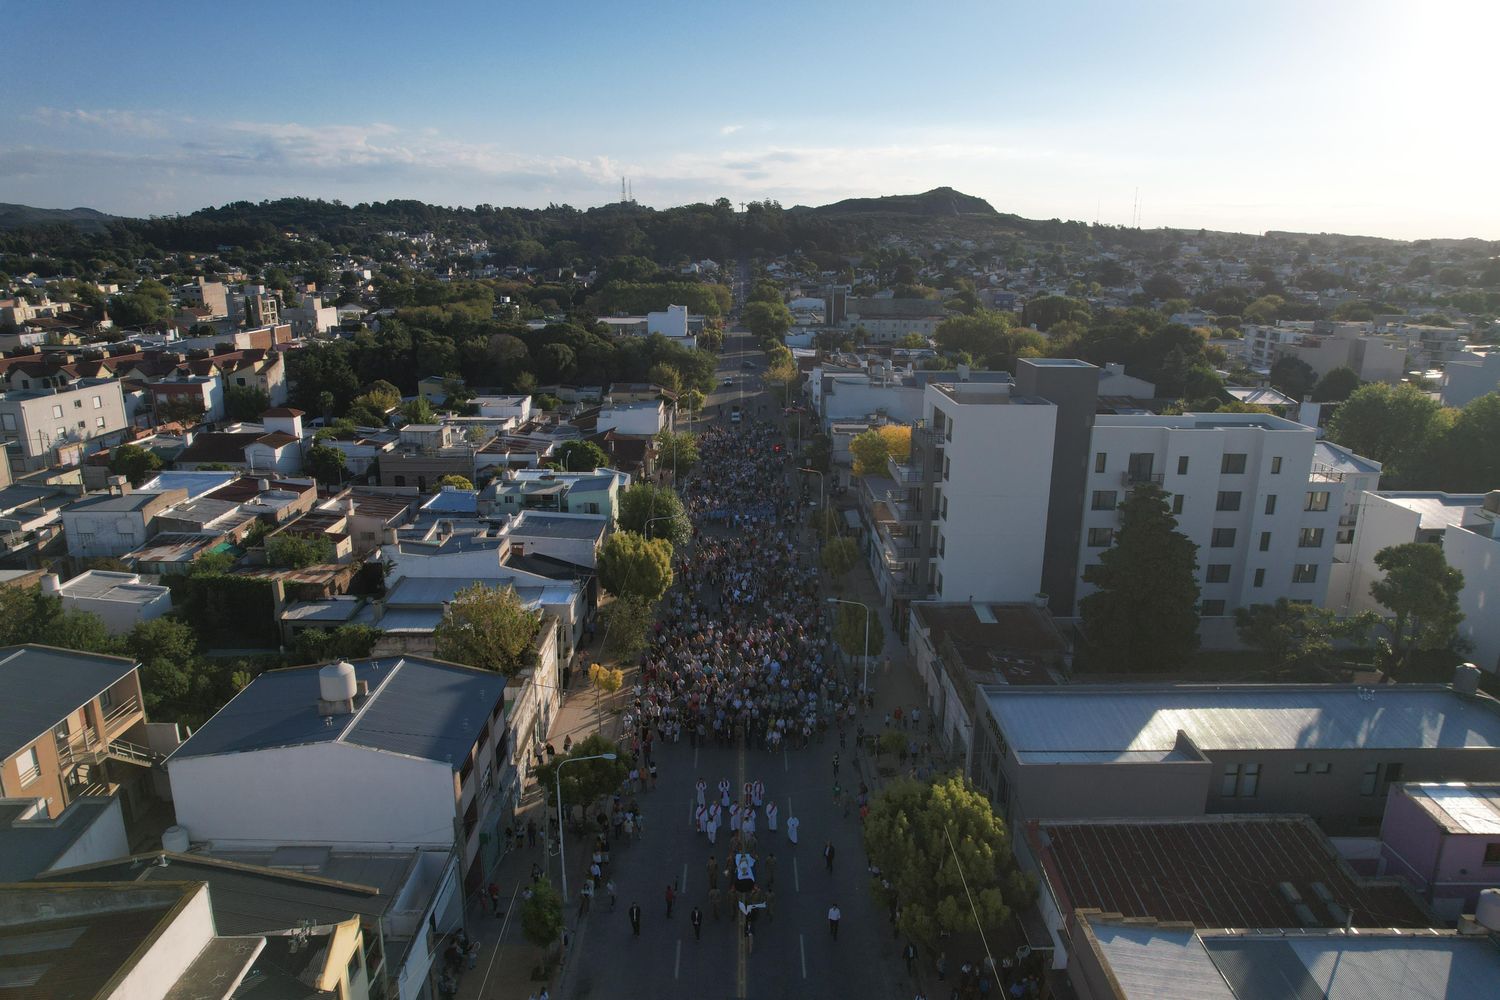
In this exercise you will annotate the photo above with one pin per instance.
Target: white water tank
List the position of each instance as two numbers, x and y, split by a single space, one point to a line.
336 681
1466 678
175 839
1487 913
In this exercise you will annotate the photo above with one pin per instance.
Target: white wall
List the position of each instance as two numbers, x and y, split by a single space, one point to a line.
331 793
120 617
1000 477
632 418
1469 376
1382 523
171 952
1478 559
104 840
854 400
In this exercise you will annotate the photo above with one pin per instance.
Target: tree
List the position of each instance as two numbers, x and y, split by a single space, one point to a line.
1420 590
626 622
581 456
1467 460
666 376
589 780
947 858
981 334
604 680
873 447
487 627
245 402
913 341
183 410
767 320
854 627
418 411
1293 376
692 400
632 565
1143 615
298 551
1393 426
456 481
1161 287
167 650
347 642
676 450
326 463
542 915
1297 637
134 463
643 504
1336 386
839 557
1046 312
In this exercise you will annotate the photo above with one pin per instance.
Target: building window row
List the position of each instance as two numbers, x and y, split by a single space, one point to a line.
1321 767
1240 781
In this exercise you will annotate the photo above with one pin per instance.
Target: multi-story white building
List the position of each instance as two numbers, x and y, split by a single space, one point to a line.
1243 487
51 425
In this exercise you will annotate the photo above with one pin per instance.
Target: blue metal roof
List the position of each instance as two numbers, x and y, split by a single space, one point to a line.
417 707
196 483
41 685
28 848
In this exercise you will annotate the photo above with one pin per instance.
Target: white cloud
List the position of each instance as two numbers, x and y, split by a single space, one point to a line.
729 129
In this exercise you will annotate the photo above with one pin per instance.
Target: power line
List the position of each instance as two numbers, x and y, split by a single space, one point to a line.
972 908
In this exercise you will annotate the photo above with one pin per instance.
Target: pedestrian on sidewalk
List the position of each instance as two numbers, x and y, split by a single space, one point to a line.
671 896
609 887
635 919
696 918
910 954
792 824
828 855
494 893
585 897
531 833
713 872
834 916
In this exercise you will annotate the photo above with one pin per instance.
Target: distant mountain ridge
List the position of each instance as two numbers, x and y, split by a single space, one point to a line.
22 216
940 202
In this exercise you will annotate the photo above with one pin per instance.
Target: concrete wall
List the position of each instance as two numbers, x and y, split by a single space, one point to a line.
1478 559
1470 376
120 617
331 793
170 953
1101 790
104 840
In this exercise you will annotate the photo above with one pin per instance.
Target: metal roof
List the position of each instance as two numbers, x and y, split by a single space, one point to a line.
416 707
40 685
1458 806
582 526
1159 963
1243 717
29 846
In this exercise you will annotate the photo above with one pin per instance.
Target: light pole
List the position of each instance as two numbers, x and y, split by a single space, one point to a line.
646 528
815 472
864 683
562 854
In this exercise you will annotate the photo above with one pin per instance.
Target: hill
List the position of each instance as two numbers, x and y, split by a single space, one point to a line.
942 202
23 216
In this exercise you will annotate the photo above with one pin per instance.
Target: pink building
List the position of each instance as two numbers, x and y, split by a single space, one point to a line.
1445 840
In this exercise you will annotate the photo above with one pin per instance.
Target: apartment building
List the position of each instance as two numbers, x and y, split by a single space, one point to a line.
111 524
47 426
1242 486
404 751
71 725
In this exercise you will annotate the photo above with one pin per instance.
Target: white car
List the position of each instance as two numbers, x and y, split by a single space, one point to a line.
728 380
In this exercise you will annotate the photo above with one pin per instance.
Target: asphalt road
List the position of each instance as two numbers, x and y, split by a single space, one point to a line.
794 954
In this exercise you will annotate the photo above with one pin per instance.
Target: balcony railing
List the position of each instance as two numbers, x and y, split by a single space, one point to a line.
905 474
1137 478
130 706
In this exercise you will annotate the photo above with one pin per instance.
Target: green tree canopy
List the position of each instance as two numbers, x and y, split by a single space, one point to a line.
1395 426
1143 615
585 782
1047 311
326 463
767 320
134 463
627 621
632 565
839 557
642 503
942 848
581 456
1420 590
1298 637
542 915
1468 457
872 448
291 551
1293 376
854 627
487 627
676 450
1336 386
456 481
347 642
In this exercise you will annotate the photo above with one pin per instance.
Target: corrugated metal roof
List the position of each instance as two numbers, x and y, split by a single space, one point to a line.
40 685
1156 963
1460 807
418 707
1247 717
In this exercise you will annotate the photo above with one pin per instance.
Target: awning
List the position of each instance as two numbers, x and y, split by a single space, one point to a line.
851 518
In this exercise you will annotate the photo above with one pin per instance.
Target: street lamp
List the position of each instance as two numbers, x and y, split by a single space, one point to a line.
646 528
562 854
815 472
864 684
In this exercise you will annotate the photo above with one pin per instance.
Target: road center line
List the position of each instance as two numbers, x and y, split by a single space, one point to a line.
682 886
802 944
796 877
677 965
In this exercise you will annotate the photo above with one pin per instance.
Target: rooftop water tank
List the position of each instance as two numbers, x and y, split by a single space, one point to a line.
336 681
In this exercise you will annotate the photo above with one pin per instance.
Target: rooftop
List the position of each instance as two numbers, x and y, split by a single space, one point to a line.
1340 459
1213 872
1436 511
1149 962
1458 807
30 842
112 503
1004 643
105 585
42 684
580 526
416 707
1094 718
196 483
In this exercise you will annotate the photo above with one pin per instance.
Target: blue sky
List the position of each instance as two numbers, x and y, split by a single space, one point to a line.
1372 117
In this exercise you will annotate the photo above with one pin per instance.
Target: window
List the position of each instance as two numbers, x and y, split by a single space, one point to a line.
1177 503
1249 780
942 544
8 421
1311 538
1369 782
1212 609
1322 768
1240 781
1217 573
77 404
1100 459
1305 573
1100 537
947 466
1276 465
98 403
355 968
1222 538
1317 500
400 480
940 584
945 508
1229 500
239 381
1231 781
1260 578
1301 768
57 411
29 766
1104 500
1271 503
1491 854
1233 464
1265 541
1182 464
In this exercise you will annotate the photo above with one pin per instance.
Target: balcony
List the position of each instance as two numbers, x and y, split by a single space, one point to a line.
123 715
904 473
1137 478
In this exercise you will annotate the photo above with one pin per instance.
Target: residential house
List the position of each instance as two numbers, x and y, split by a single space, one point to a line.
886 321
111 524
50 426
88 829
120 600
404 751
573 538
1469 375
72 725
1443 838
424 455
643 418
